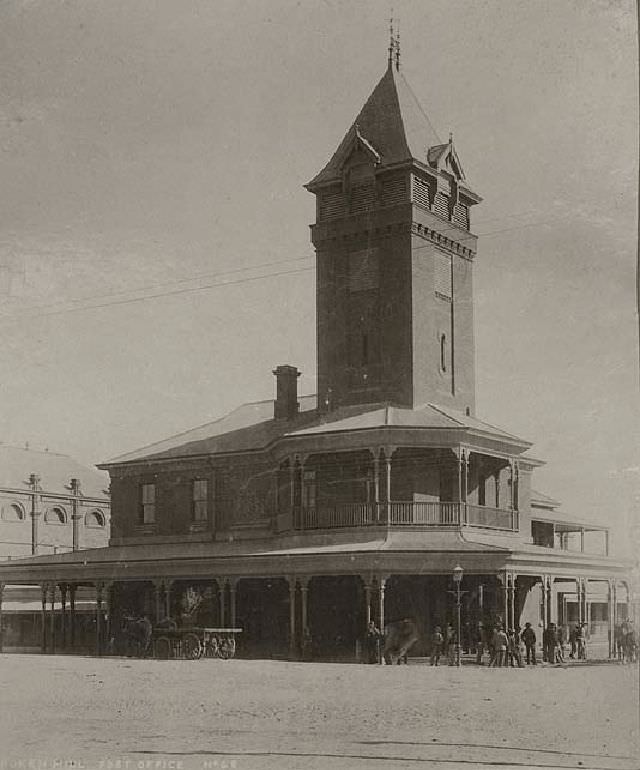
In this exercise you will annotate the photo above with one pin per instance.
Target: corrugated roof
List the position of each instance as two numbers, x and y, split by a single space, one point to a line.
55 471
539 499
564 520
428 416
393 124
252 427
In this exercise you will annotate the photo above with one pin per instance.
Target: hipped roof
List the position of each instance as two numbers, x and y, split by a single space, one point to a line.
393 124
253 427
55 472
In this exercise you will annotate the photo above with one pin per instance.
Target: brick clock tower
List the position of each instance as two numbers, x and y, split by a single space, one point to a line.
394 259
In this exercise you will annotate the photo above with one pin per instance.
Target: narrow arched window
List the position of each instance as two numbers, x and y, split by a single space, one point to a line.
94 519
13 512
365 349
56 516
443 352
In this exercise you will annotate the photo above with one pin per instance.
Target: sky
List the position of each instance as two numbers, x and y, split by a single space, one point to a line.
155 262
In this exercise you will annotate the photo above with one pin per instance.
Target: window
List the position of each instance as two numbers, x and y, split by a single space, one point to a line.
365 349
199 497
443 352
13 512
56 515
94 519
309 489
148 505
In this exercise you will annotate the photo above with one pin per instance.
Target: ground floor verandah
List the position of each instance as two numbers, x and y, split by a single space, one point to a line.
316 613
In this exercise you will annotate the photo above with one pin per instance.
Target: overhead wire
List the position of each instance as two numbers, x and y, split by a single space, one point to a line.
52 311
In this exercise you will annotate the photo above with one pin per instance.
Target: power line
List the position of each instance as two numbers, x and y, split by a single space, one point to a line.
194 277
161 294
217 284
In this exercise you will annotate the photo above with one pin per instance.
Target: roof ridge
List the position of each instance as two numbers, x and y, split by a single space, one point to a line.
444 414
123 455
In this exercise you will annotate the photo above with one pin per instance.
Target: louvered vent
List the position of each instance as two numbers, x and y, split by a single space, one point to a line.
363 270
331 205
441 205
461 215
394 191
442 275
421 192
362 198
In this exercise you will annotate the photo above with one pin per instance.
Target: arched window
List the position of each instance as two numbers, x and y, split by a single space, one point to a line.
95 519
13 512
56 515
443 352
365 349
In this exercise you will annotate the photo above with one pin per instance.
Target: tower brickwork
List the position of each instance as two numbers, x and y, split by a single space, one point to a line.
394 261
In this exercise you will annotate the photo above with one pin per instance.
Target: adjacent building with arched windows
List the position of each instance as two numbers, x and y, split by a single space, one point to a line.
49 504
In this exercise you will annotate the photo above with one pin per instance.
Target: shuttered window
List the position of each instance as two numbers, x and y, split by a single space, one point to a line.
394 191
461 215
421 192
443 282
331 205
441 205
362 197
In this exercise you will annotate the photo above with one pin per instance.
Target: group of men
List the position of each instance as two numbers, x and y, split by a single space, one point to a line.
512 646
507 646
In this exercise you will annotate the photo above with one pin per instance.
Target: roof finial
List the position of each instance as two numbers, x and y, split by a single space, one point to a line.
392 42
398 47
450 137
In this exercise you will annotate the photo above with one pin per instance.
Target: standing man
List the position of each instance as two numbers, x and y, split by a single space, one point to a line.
582 642
451 642
479 642
549 643
501 641
560 644
529 639
373 640
436 646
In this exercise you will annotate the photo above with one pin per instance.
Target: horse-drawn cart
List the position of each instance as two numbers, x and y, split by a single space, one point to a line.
194 642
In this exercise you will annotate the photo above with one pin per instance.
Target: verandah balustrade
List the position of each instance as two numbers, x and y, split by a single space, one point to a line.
418 513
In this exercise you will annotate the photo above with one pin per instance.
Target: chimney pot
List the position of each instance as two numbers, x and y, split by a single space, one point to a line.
286 404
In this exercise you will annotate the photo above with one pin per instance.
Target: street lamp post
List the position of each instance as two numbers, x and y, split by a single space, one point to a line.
457 580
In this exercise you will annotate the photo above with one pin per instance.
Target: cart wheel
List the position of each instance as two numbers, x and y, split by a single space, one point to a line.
191 647
163 648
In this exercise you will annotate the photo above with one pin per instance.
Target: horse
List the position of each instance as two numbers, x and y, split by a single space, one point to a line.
137 632
399 638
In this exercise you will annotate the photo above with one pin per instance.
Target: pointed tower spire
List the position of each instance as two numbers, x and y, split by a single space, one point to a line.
398 48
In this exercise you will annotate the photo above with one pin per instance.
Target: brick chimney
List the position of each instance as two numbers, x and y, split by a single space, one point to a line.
285 407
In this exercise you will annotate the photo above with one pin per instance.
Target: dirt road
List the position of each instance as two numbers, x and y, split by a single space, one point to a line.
124 714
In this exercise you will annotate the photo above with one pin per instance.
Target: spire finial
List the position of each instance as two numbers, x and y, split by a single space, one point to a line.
392 40
398 47
450 137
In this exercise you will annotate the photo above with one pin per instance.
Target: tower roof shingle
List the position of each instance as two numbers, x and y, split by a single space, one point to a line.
392 122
